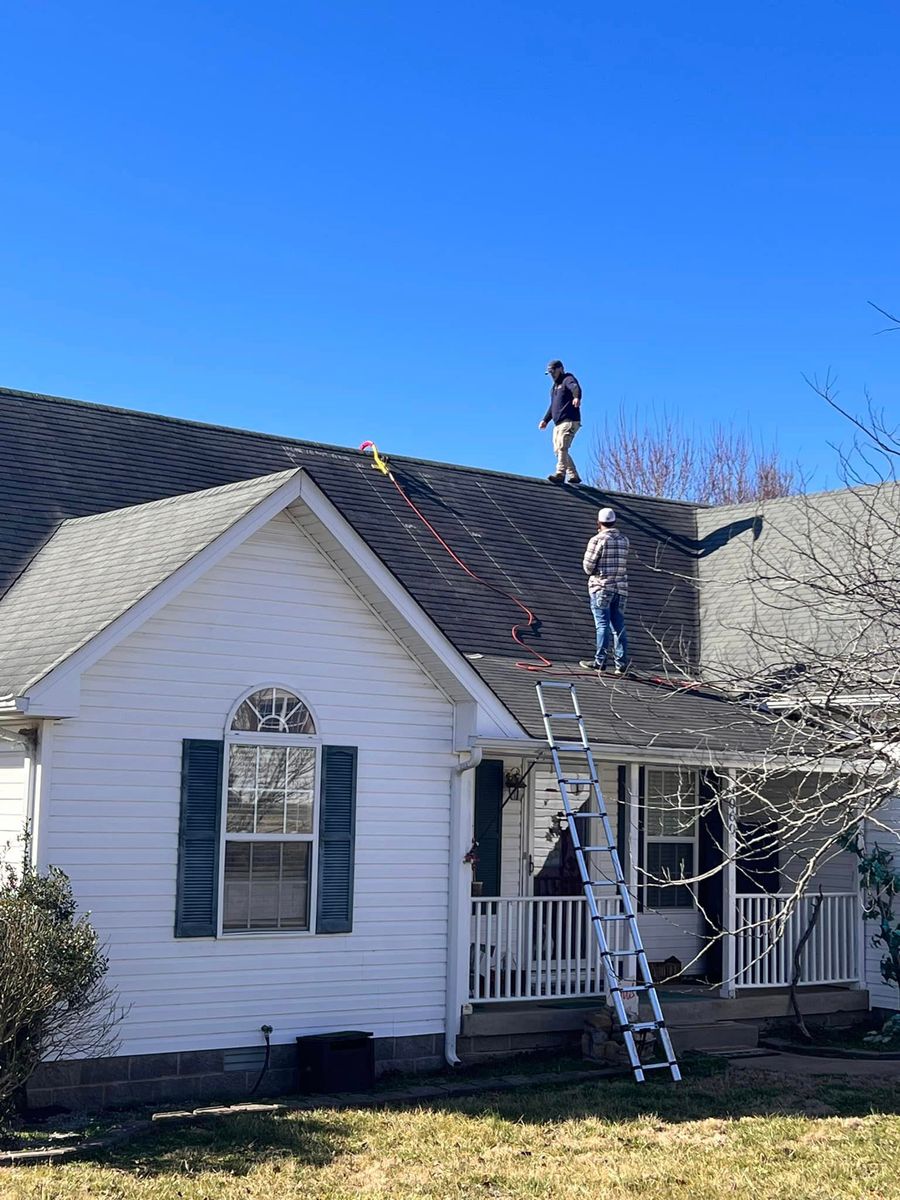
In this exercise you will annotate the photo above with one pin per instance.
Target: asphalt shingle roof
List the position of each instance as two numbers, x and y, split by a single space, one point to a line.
63 459
795 577
94 569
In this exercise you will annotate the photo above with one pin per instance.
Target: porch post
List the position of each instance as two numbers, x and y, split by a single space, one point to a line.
729 885
459 931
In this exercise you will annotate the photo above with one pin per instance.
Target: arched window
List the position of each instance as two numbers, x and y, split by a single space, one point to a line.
272 766
272 710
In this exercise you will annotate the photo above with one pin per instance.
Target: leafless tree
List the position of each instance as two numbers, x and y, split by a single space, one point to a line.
662 455
800 603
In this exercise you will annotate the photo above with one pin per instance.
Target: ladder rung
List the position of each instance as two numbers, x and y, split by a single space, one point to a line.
640 1026
577 782
552 683
567 716
587 849
568 746
660 1066
617 917
584 816
635 987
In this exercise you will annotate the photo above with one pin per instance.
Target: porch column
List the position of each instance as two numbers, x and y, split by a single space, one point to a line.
459 939
729 884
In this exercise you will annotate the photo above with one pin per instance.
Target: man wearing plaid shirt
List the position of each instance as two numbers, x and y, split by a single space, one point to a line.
605 564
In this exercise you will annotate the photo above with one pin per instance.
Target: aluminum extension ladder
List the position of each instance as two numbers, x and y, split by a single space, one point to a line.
596 811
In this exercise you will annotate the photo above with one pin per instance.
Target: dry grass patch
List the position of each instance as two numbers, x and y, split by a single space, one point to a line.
739 1135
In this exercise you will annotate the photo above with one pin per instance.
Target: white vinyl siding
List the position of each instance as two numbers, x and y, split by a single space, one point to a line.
836 870
12 802
511 839
273 611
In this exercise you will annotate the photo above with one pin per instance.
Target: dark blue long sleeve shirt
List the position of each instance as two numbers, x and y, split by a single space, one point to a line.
562 395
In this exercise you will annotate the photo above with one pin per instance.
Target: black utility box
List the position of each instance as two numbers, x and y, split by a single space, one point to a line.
336 1062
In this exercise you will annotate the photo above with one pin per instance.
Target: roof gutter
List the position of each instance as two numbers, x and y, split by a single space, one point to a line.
651 755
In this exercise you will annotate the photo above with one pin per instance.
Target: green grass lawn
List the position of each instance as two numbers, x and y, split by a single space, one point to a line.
742 1135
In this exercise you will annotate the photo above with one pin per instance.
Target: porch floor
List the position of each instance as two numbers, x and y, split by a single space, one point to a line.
683 1004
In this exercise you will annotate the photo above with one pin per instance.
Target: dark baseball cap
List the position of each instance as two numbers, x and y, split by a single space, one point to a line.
554 362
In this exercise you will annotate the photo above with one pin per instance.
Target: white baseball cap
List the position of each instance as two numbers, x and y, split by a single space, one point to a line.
606 516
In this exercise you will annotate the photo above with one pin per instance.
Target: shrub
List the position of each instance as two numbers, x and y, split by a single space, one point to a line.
53 998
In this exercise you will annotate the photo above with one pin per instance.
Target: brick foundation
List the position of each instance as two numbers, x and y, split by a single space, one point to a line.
191 1077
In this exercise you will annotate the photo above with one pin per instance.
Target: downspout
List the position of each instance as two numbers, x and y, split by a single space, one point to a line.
462 810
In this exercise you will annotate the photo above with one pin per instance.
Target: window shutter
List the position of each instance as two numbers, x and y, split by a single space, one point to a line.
488 822
622 817
337 840
197 895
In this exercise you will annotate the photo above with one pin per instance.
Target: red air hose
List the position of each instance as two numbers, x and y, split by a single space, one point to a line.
542 663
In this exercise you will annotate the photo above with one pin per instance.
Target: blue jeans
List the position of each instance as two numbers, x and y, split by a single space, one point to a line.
609 617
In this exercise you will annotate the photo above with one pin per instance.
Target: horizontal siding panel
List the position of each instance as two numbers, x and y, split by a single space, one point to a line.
309 954
226 1017
230 998
274 611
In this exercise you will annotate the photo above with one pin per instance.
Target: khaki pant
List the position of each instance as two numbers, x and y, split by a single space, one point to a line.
563 436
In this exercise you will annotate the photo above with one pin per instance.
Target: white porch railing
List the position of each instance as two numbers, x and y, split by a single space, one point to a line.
537 947
765 940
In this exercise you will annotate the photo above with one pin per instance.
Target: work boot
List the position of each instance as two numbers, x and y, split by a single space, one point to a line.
620 669
574 480
556 478
592 665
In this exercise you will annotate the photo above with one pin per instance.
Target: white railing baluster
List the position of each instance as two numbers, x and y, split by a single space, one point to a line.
581 989
830 955
537 947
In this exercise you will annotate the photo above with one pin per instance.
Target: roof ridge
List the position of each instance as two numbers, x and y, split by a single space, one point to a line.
180 497
282 439
795 497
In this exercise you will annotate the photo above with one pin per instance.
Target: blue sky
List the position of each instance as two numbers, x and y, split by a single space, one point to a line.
349 220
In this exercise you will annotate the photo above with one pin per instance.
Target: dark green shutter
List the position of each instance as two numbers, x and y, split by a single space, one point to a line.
197 895
488 822
622 819
337 840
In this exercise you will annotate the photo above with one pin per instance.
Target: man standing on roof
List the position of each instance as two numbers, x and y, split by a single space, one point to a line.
605 564
565 411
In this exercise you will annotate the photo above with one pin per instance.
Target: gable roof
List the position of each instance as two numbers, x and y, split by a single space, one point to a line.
94 569
61 460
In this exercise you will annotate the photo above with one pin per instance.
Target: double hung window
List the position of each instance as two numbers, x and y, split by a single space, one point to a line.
670 835
270 826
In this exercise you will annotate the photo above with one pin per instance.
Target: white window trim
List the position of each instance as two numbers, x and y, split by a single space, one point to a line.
662 839
278 741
